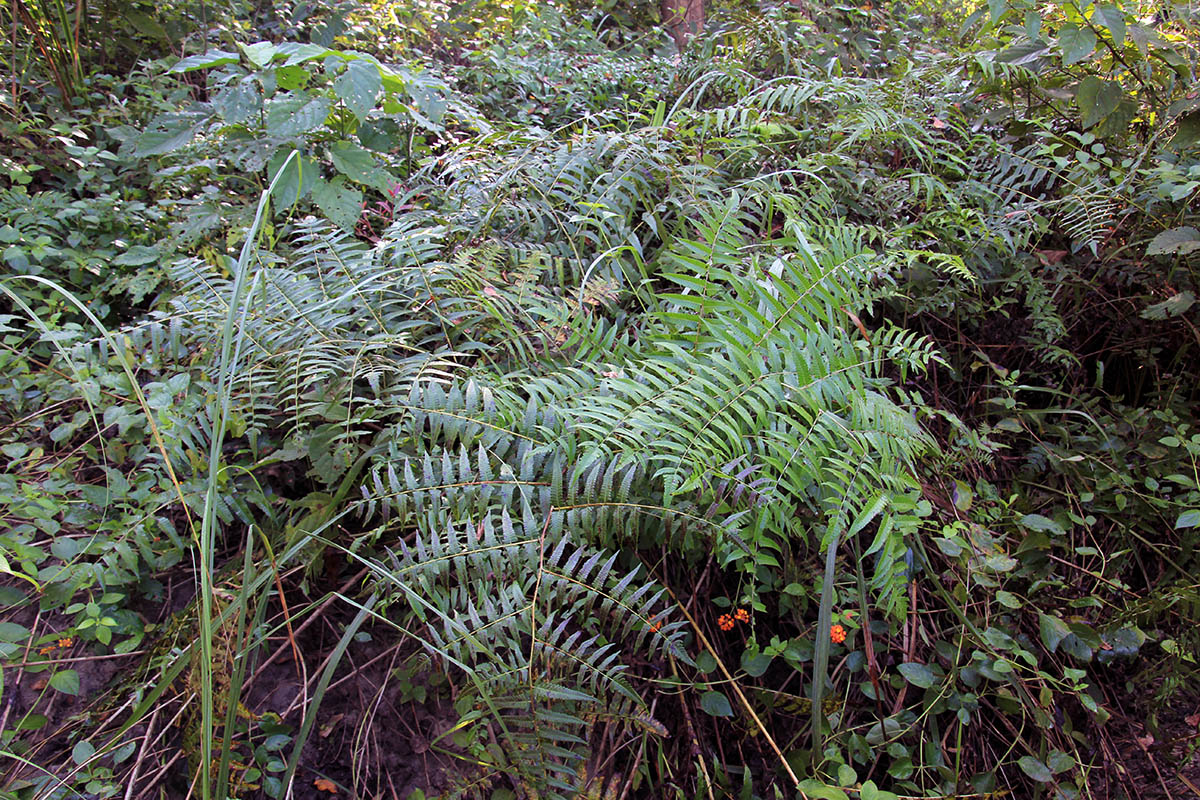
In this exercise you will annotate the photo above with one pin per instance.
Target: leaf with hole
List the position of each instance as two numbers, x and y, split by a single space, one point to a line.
359 86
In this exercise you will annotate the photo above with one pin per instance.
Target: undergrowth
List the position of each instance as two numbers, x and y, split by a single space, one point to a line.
812 414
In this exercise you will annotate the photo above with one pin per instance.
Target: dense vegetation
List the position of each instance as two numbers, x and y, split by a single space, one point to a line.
406 400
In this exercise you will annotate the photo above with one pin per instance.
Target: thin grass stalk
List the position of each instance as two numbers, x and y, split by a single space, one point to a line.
244 650
208 522
310 714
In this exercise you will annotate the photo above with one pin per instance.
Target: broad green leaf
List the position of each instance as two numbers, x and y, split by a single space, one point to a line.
65 681
12 632
358 165
962 496
1023 53
238 102
1035 769
295 115
1117 123
1033 25
821 791
1077 43
919 675
1008 599
1113 18
213 58
82 751
1000 563
291 78
716 704
870 791
1058 761
297 53
259 53
1097 99
887 731
296 182
1173 306
359 86
1053 631
138 255
1188 519
1188 132
1182 241
755 664
342 204
1036 522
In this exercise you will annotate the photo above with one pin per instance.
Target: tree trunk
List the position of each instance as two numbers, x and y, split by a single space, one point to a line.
684 19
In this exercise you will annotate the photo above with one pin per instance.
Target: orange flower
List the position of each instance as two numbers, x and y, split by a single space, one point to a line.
838 634
725 622
656 626
47 650
741 615
65 642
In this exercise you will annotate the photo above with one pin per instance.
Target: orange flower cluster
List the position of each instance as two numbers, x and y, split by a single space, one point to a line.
64 643
838 634
726 621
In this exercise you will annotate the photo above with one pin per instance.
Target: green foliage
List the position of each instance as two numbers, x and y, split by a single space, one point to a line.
529 355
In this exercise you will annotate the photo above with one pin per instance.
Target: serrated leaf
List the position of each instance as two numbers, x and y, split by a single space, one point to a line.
213 58
1077 43
65 681
1035 769
1097 99
1173 306
919 675
716 704
342 204
1180 240
138 255
359 86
